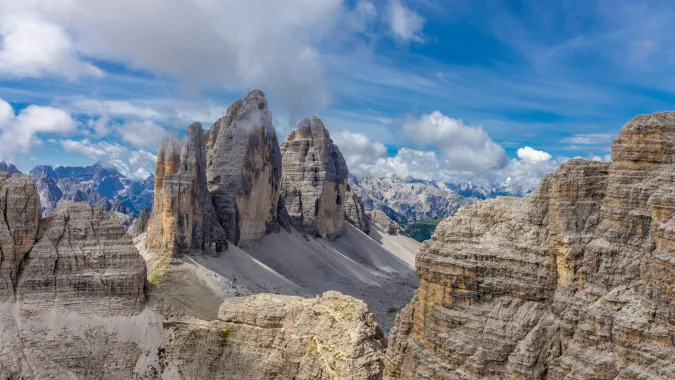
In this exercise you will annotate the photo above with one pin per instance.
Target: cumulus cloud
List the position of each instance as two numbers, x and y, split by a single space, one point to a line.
134 164
33 48
233 44
533 156
405 23
367 157
20 131
465 147
358 150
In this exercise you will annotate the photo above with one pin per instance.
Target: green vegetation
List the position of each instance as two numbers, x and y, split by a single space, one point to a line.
156 275
422 230
224 334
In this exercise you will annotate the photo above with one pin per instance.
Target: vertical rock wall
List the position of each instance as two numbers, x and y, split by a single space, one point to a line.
244 169
183 219
314 180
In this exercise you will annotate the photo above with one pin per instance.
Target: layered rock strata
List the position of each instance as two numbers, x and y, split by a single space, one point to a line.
573 282
244 169
354 210
183 220
314 180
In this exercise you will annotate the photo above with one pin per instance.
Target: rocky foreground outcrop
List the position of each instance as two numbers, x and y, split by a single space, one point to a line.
576 281
244 169
314 180
268 336
183 220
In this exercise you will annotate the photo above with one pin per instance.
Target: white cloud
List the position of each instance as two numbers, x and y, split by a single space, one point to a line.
534 156
405 23
132 164
20 131
145 134
466 148
366 157
236 44
358 149
589 139
33 48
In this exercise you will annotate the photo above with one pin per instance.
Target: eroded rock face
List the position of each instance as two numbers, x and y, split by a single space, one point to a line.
83 261
20 205
385 223
270 336
183 220
244 169
314 180
573 282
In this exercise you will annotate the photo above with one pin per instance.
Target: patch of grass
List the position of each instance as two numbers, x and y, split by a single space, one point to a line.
224 335
156 275
313 346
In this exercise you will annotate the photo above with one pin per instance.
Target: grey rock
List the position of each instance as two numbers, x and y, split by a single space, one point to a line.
244 169
183 220
20 205
140 224
355 212
385 223
314 180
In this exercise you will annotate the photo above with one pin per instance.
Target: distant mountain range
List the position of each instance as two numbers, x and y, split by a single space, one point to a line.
407 201
100 185
412 200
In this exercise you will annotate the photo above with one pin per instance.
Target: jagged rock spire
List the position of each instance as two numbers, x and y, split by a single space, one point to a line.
183 219
314 180
244 169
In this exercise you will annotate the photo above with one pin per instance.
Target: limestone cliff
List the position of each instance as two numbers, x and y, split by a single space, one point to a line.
20 218
314 180
244 168
573 282
183 218
354 210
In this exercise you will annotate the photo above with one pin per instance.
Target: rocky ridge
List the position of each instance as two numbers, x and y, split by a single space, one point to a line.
314 180
572 282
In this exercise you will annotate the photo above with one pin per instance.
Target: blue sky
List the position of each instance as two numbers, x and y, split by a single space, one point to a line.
433 89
